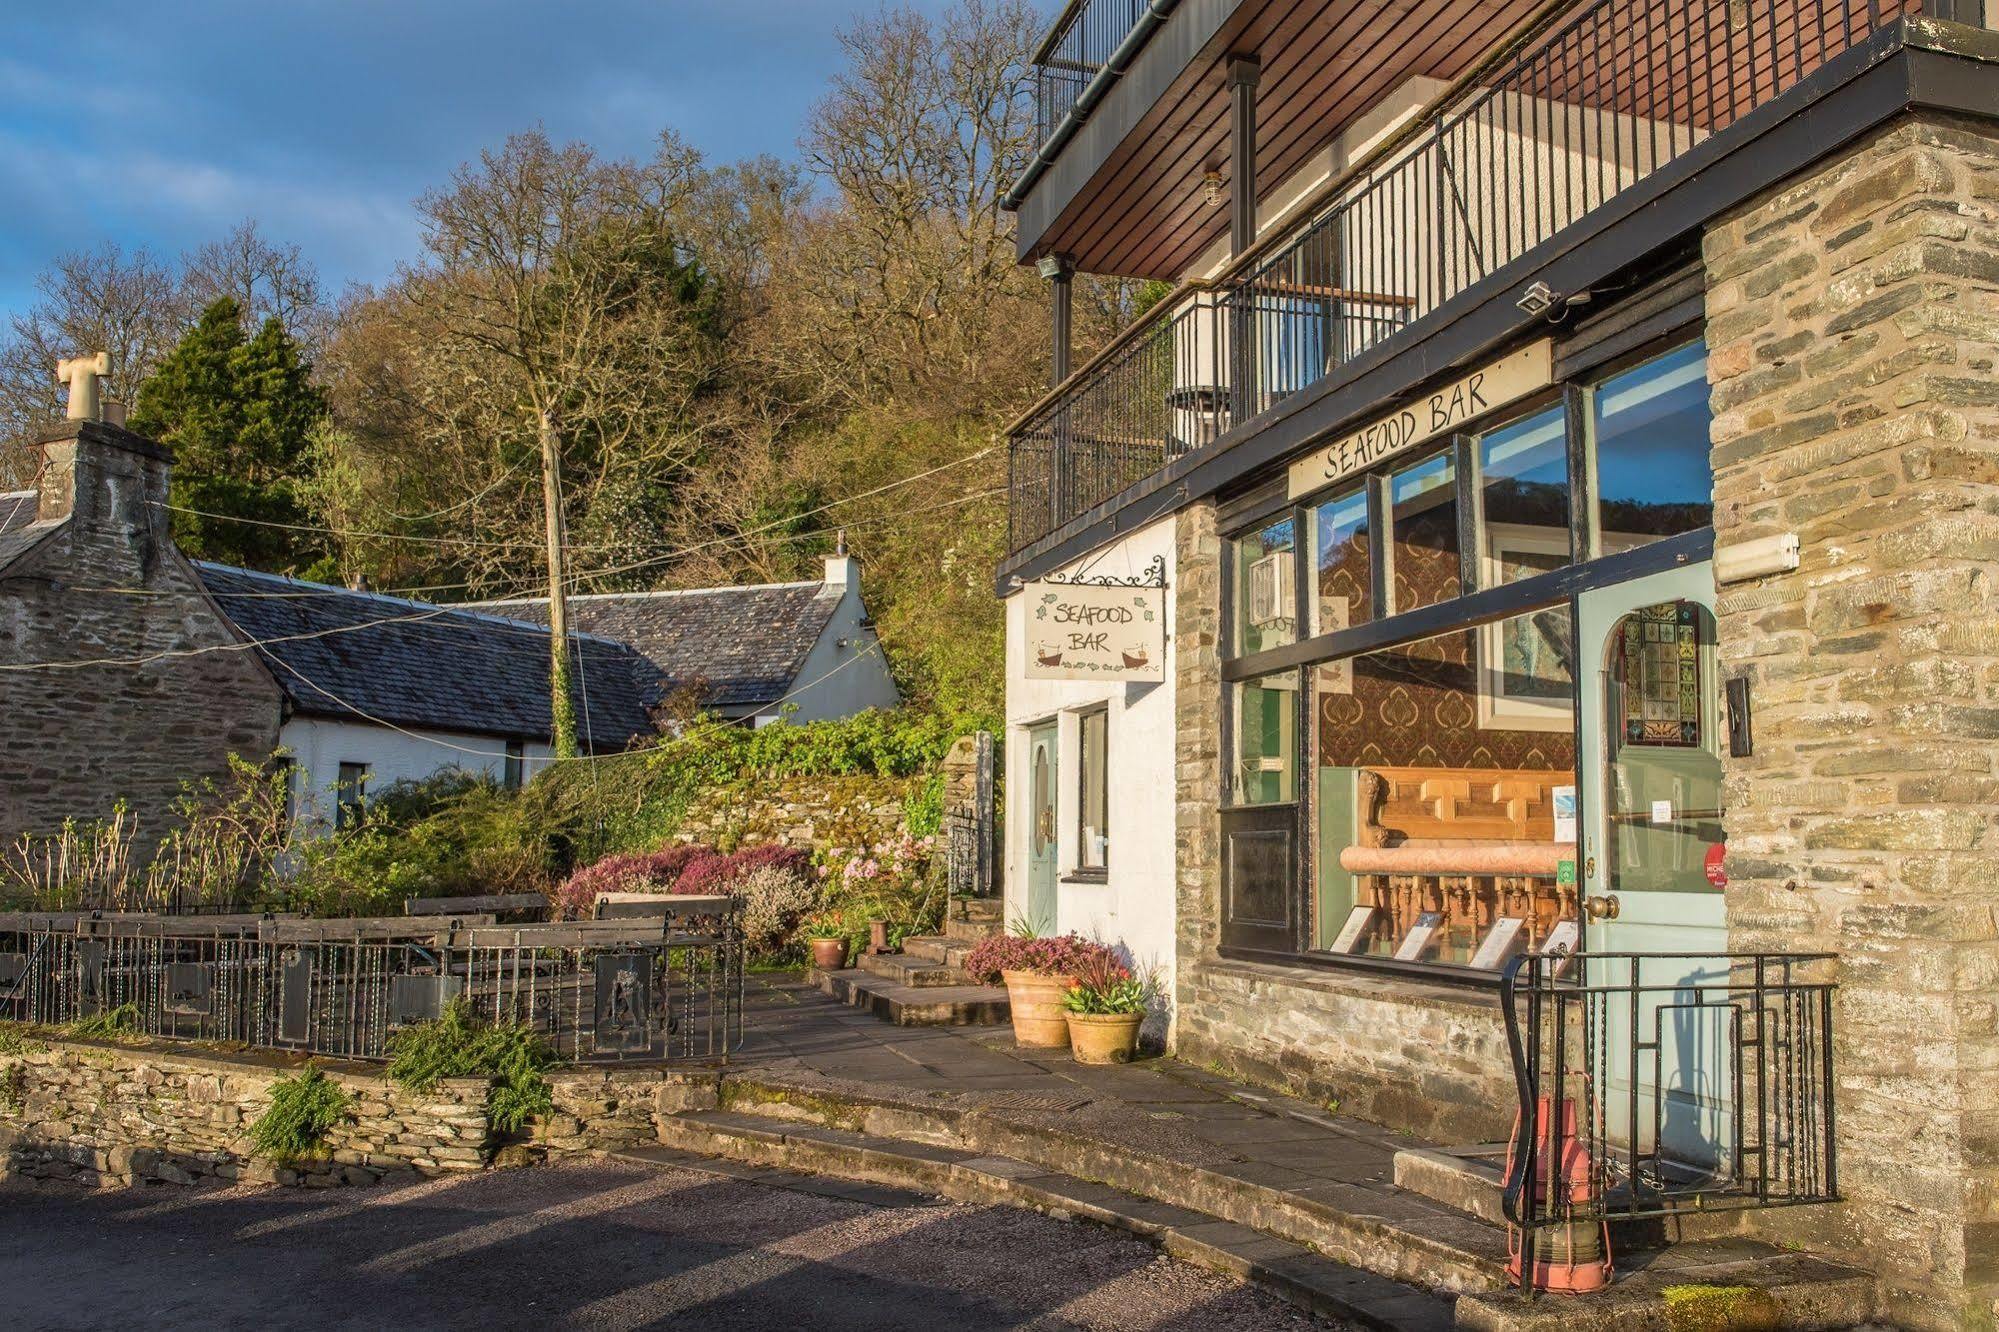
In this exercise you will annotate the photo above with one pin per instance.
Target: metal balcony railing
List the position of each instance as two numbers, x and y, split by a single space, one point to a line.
1656 1083
1585 105
1085 36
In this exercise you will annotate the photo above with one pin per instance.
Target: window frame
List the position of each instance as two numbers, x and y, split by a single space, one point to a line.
1081 869
350 792
513 766
1477 605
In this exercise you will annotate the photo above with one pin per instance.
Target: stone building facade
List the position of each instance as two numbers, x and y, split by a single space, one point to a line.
162 696
1854 322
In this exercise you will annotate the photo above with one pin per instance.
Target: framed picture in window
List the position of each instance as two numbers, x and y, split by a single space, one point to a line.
1526 663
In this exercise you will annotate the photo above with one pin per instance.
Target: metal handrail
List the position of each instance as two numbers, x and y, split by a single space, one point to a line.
1590 1031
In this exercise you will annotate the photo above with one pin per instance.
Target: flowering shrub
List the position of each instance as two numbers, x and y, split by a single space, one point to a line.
709 871
634 872
890 881
1053 955
774 855
775 900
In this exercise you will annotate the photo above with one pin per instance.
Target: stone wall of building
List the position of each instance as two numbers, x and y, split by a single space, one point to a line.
1853 322
1427 1057
177 695
810 813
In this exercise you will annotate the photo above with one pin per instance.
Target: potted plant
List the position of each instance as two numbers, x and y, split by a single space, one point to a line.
826 935
1037 973
1105 1008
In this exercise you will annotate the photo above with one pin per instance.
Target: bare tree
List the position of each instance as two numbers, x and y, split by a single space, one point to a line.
556 279
86 301
268 280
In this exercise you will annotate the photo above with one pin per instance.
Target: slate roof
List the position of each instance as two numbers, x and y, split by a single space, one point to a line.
745 645
17 509
18 530
368 657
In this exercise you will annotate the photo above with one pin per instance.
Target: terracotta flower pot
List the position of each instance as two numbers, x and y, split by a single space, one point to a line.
1104 1038
1036 1000
829 954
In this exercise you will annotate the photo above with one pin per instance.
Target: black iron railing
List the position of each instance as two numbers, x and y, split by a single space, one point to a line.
1076 50
1596 98
670 987
1655 1083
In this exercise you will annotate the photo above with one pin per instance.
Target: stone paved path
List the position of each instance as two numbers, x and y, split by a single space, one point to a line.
597 1246
1162 1104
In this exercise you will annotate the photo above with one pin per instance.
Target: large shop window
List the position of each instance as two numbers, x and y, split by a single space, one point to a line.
1414 797
1444 813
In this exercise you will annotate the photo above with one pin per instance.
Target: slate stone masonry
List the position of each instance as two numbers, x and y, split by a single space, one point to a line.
1853 327
108 585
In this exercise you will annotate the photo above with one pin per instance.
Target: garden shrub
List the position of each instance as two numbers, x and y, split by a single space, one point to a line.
774 900
1051 955
303 1110
120 1021
463 1045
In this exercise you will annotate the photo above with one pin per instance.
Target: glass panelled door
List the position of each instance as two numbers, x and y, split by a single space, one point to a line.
1652 837
1042 791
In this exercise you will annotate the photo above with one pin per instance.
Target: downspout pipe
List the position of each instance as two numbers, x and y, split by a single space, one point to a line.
1156 13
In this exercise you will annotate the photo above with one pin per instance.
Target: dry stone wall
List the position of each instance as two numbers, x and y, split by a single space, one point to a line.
810 813
1853 326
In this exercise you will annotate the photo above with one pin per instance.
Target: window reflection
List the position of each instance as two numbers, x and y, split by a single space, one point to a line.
1344 565
1424 503
1266 739
1524 471
1266 597
1649 428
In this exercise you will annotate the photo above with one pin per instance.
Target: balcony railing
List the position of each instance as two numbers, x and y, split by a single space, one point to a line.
1085 37
1590 102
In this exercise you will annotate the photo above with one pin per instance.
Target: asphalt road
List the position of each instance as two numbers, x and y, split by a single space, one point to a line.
597 1246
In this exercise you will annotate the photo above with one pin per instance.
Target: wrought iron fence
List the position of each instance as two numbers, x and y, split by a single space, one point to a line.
1655 1083
1593 100
1076 50
664 988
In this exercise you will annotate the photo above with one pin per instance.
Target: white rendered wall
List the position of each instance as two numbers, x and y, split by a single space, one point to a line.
1133 908
319 745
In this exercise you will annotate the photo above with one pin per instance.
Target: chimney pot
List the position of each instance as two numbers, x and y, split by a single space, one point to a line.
85 376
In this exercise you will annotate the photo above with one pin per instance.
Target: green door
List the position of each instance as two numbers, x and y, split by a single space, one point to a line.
1651 837
1042 789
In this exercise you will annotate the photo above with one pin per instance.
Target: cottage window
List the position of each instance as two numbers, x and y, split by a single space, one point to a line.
516 761
1424 565
1648 432
350 795
1093 796
1266 740
1342 592
1266 589
1523 485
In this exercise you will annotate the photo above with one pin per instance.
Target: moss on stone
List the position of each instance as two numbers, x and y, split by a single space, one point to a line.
1703 1308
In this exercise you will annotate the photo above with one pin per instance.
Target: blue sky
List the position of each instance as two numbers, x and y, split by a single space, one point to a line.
163 124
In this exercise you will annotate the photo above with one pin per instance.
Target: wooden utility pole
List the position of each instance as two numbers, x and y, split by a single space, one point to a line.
562 713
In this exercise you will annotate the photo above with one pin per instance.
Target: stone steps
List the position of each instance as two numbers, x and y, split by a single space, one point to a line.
940 948
969 931
907 969
1392 1234
1290 1271
915 1005
986 910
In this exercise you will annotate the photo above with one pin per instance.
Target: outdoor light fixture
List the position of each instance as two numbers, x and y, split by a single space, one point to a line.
1744 560
1211 188
1537 299
1051 266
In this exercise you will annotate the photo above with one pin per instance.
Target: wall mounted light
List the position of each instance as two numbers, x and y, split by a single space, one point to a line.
1211 189
1741 561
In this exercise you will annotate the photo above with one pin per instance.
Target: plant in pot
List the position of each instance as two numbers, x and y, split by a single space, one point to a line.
1106 1007
1038 974
826 935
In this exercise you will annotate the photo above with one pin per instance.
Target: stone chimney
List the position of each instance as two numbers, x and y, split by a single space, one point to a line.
840 567
109 482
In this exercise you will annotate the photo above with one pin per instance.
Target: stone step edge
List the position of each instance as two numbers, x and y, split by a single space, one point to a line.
877 995
1289 1271
1370 1244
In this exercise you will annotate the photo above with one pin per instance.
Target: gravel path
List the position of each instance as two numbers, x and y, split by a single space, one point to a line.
587 1246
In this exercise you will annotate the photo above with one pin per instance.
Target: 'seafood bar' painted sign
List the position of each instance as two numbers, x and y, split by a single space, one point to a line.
1506 380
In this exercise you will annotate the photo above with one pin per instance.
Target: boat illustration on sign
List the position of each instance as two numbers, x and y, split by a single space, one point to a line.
1050 658
1136 660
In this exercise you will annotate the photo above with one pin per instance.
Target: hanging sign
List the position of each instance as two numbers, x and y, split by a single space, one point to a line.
1091 631
1505 380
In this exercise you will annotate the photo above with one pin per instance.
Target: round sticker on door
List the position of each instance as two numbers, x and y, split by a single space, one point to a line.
1717 874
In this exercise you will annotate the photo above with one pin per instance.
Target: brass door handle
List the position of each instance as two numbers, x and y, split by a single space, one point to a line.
1604 907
